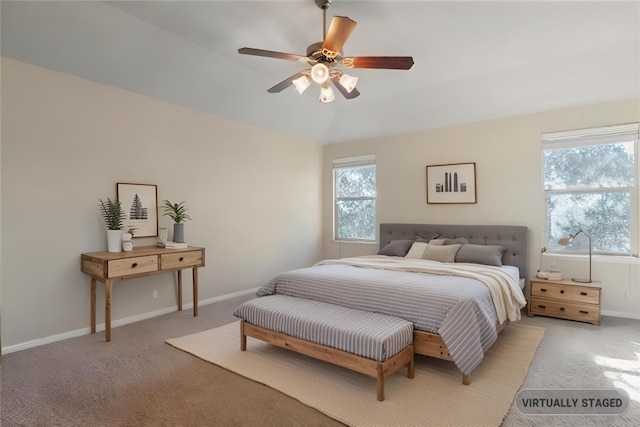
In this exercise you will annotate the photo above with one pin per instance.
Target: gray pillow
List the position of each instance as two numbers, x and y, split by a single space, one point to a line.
481 254
396 248
458 240
426 238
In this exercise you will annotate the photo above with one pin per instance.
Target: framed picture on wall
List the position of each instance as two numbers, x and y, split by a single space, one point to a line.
452 183
140 205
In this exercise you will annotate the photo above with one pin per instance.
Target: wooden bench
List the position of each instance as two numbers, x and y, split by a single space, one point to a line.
373 344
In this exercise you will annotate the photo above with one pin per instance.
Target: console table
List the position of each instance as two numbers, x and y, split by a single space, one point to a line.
109 267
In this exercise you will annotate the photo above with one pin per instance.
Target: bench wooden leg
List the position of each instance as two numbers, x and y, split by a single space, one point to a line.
466 379
410 371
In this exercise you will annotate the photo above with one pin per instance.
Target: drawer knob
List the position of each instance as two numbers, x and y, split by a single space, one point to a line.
541 306
584 312
561 308
583 294
181 259
543 290
562 291
134 265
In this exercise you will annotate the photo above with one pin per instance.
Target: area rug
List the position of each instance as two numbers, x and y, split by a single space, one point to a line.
435 396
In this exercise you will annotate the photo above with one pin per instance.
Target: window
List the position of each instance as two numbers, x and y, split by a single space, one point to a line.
590 183
354 183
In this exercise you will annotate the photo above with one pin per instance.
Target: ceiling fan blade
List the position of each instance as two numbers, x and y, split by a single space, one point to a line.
284 84
348 95
339 31
388 62
272 54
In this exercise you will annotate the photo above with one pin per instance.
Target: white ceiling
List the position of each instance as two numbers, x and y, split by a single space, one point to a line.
473 60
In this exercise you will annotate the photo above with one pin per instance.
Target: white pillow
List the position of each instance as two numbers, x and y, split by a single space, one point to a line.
438 242
416 250
446 253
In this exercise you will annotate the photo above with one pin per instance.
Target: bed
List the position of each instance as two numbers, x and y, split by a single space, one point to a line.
457 308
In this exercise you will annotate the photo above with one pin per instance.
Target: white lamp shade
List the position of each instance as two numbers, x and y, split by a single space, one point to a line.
566 241
326 93
348 82
319 73
302 83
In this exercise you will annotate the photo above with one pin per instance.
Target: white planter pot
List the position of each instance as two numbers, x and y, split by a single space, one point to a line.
114 240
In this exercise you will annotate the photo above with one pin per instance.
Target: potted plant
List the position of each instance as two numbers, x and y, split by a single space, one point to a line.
114 216
178 213
128 235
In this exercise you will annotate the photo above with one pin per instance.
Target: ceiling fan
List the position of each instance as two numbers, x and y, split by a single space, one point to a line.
326 56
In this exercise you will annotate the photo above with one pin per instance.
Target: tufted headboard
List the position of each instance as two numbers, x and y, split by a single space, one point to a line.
512 237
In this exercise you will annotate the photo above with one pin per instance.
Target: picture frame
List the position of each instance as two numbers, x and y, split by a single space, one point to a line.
451 183
140 205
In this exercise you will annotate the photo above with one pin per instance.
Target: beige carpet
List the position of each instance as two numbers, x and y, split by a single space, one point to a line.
435 396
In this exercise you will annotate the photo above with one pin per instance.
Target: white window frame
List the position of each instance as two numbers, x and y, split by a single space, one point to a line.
353 162
595 136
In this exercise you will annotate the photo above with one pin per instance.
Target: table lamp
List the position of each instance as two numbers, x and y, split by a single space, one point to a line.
567 241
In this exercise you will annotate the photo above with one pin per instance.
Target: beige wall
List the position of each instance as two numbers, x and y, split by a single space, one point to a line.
508 161
253 196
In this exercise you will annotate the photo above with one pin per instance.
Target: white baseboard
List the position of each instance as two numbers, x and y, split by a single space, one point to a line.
120 322
620 314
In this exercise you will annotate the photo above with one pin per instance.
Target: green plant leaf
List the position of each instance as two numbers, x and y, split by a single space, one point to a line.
112 213
176 211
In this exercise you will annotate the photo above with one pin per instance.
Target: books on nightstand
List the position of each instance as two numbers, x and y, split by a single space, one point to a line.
172 245
550 275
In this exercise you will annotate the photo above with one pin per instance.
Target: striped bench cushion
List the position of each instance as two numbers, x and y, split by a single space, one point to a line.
372 335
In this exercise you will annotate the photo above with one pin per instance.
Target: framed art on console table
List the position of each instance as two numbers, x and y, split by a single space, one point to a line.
140 205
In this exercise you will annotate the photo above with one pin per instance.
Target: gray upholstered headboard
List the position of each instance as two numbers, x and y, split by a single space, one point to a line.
512 237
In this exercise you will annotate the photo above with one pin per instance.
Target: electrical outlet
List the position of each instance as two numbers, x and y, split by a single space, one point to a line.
155 293
627 294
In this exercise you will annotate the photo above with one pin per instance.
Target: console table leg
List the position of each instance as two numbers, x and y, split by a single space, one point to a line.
179 290
195 291
93 305
108 286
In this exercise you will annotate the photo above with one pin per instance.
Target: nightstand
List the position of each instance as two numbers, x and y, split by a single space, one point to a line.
565 299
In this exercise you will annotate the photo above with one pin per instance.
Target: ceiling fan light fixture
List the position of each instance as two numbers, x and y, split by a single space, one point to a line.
348 82
320 73
326 93
302 83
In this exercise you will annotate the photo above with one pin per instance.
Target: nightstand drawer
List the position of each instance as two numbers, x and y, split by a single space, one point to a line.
580 312
572 293
181 260
131 266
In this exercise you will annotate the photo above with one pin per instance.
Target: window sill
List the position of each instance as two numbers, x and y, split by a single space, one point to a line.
365 242
603 259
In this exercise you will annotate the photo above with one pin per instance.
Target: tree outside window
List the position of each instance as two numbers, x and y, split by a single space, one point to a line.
355 202
590 184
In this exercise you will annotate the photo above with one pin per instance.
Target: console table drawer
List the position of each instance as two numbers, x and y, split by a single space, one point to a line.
580 312
181 260
572 293
130 266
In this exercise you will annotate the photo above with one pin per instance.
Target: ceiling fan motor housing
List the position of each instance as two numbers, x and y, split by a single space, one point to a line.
323 4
